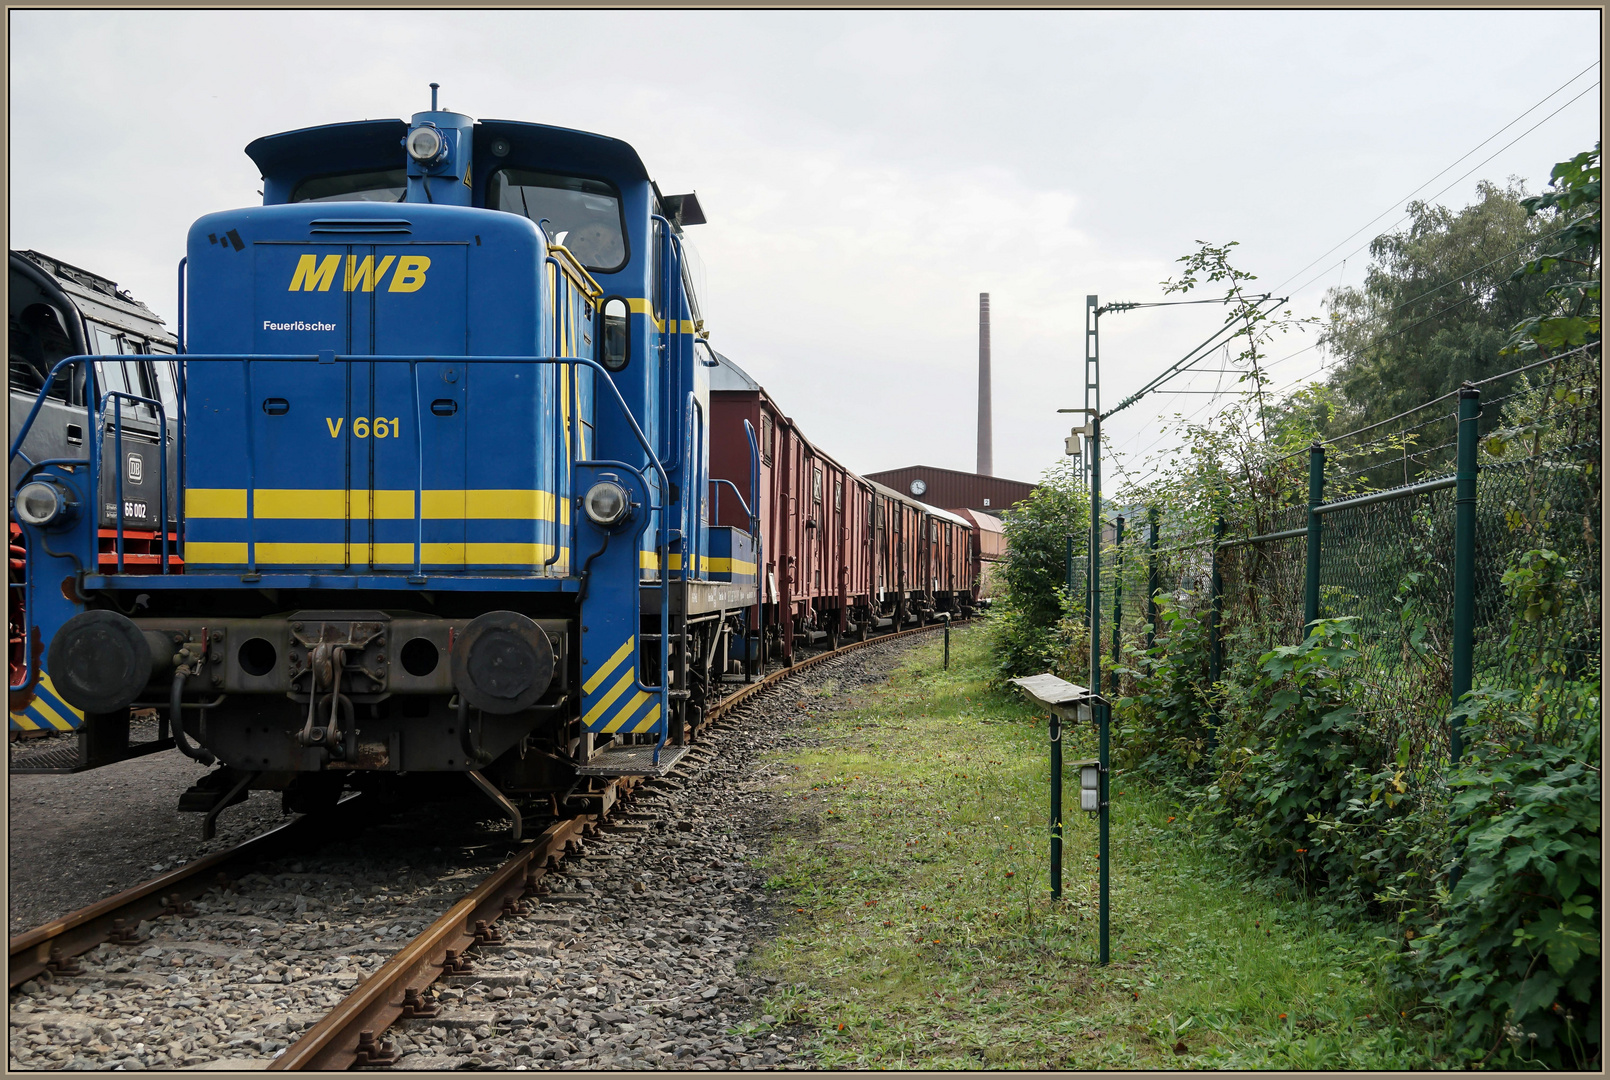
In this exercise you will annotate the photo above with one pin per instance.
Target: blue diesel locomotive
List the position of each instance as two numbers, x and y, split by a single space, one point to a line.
442 459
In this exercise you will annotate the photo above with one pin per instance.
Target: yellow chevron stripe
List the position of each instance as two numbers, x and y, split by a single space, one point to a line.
49 715
626 712
50 688
322 504
647 722
597 678
602 705
212 553
24 721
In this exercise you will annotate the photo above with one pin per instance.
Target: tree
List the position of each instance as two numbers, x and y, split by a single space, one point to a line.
1034 573
1437 305
1574 212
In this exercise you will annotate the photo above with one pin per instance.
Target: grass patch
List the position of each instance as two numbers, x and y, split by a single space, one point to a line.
912 857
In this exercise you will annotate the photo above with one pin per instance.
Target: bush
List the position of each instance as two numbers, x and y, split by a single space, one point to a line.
1028 619
1514 957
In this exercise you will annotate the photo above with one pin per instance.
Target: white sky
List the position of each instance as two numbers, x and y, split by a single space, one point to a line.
866 175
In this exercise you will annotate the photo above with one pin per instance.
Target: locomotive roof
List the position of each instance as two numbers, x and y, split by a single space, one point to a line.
99 297
335 148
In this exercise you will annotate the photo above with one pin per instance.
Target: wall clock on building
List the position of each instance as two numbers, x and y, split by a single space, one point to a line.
918 487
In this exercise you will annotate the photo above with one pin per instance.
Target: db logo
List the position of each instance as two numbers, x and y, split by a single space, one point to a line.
136 469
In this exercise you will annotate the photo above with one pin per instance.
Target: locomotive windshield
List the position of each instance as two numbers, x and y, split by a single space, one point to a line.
583 215
390 185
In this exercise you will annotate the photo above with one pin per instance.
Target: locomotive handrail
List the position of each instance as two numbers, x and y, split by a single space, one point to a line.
672 331
657 512
692 505
575 271
754 528
716 510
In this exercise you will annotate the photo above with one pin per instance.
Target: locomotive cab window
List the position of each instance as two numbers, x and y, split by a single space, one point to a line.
617 350
583 215
37 343
387 186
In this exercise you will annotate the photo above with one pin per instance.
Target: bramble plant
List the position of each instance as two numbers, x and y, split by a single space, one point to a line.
1323 757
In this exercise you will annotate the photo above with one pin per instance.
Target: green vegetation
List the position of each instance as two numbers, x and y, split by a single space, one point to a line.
1456 295
913 864
1323 759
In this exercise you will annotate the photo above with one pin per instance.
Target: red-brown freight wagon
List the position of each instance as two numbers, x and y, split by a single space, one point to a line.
988 548
839 555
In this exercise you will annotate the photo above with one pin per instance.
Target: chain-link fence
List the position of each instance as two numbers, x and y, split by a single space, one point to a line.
1389 559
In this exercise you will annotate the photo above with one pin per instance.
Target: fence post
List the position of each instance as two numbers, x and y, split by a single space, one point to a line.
1056 805
1117 595
1216 606
1215 637
1068 566
1316 495
1464 561
1151 578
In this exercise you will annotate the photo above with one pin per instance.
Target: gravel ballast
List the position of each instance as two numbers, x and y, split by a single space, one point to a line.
635 959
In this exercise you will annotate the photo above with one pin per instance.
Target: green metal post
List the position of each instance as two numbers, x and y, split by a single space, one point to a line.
1464 560
1316 495
1215 627
1094 560
1103 715
1056 806
1100 707
1068 570
1117 596
1152 584
1216 606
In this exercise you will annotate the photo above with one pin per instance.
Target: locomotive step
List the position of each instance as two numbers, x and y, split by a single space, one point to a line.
616 760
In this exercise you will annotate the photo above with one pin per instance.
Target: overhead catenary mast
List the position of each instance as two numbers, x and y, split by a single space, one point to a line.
986 454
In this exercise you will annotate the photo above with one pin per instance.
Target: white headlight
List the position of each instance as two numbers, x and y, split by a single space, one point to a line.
39 503
606 504
425 144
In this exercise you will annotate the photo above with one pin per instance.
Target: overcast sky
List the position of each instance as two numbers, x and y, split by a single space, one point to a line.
865 175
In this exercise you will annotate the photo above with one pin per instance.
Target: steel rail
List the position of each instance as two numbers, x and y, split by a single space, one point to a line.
52 946
350 1033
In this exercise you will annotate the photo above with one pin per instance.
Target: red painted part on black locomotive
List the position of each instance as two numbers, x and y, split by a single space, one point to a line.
16 648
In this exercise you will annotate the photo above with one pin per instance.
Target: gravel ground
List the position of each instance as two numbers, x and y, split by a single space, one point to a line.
635 959
78 837
242 977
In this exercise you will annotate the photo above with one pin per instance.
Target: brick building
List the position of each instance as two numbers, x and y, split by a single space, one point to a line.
951 490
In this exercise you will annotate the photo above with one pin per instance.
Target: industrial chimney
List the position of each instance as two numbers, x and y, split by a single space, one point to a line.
986 455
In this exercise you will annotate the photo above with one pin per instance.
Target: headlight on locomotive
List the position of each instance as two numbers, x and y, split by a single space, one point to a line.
41 504
607 504
426 145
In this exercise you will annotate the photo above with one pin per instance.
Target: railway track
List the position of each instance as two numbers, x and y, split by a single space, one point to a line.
373 983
